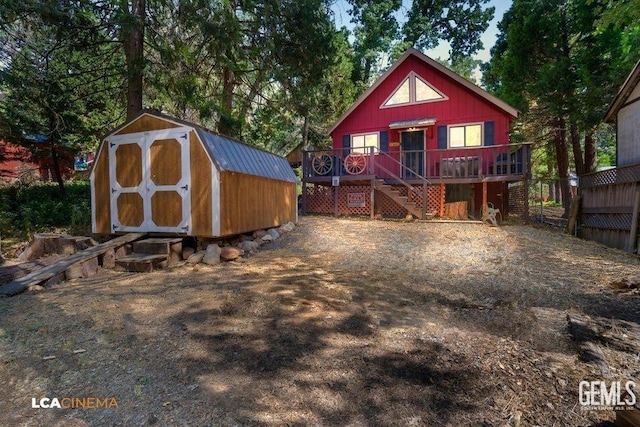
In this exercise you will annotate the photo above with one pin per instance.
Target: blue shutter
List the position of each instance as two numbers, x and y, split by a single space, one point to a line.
346 144
442 137
488 133
384 141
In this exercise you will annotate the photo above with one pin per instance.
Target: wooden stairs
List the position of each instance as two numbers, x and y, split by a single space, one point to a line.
393 193
151 254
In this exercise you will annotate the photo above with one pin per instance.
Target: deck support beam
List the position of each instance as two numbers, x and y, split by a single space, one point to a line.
484 201
372 199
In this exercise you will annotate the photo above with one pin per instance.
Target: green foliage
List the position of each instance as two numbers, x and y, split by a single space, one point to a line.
59 77
559 64
460 22
28 209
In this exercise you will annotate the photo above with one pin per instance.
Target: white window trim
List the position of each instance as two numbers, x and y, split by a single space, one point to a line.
412 76
351 147
459 125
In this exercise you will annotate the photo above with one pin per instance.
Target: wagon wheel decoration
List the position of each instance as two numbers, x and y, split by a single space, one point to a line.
355 164
322 164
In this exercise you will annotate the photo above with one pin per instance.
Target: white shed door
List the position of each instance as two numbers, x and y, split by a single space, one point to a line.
150 179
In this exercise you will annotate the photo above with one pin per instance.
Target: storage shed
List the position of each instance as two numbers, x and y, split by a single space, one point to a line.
161 175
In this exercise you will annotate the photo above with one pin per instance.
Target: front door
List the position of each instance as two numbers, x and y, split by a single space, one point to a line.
149 176
412 153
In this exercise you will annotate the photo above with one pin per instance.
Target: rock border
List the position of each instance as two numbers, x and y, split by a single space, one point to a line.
237 247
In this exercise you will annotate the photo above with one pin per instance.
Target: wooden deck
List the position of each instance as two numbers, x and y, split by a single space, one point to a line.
500 163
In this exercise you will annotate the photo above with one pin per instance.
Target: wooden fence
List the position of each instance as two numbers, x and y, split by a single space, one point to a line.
610 205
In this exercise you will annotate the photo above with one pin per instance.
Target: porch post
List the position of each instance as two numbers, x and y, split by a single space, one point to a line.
372 198
425 191
304 197
442 198
484 201
336 198
305 167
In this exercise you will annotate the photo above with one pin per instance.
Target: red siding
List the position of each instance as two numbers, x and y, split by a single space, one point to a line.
462 106
16 159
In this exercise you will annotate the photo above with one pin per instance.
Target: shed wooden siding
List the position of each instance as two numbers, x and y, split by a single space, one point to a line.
201 188
463 106
147 123
102 192
628 136
250 202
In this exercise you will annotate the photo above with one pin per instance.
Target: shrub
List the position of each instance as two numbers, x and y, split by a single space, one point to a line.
26 209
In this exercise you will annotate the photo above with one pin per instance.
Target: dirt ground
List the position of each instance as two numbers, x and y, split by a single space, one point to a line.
341 322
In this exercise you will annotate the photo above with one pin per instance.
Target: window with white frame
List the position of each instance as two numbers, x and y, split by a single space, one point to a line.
413 90
361 143
465 136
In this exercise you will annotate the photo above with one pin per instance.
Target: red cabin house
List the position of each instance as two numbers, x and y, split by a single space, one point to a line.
420 137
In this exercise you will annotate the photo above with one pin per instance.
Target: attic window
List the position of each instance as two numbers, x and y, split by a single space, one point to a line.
413 90
401 95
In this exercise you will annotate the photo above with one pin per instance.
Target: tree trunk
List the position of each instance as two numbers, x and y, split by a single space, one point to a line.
577 149
133 41
56 170
590 153
305 133
227 125
562 155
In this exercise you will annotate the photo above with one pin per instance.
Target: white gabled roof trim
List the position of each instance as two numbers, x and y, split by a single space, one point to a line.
625 90
439 67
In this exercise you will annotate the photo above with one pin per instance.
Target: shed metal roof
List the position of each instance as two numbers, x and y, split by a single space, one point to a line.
230 155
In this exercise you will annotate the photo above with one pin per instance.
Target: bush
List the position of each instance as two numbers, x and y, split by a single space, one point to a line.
27 209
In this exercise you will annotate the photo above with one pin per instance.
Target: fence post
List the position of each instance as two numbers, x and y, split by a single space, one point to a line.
633 233
541 204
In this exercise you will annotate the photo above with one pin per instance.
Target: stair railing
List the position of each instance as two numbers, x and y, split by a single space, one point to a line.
410 188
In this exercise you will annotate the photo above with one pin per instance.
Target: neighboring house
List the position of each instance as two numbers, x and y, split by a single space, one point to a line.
29 163
295 156
420 137
610 206
624 111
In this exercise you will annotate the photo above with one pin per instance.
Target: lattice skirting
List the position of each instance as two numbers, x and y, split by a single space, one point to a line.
621 175
517 198
607 221
320 199
352 199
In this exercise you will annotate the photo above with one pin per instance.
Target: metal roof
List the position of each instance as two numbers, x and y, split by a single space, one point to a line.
230 155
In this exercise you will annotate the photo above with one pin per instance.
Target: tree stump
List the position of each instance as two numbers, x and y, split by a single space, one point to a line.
108 259
51 243
86 268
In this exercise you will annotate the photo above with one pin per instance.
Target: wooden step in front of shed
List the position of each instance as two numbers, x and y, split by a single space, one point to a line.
142 263
169 246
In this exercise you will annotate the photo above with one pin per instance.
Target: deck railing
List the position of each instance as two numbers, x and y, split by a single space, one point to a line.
509 162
